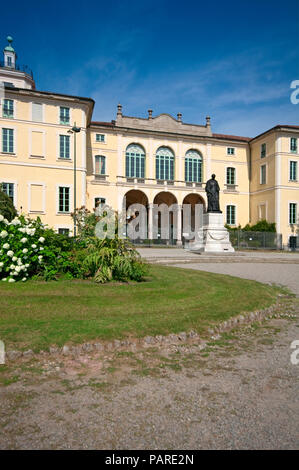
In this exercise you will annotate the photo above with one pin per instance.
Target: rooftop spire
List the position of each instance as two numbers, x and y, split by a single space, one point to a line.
9 48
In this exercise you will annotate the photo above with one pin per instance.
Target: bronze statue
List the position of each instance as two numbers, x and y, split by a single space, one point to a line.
212 190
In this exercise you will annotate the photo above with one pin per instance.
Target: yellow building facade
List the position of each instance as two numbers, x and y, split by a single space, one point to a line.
152 160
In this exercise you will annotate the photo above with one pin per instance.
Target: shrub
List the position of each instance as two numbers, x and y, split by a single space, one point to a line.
21 249
7 209
111 259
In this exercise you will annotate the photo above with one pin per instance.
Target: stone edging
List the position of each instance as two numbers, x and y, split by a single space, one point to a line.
148 341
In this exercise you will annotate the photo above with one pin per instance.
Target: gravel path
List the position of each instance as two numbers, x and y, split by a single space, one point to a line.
244 395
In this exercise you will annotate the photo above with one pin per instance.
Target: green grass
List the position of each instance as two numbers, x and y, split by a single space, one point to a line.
39 314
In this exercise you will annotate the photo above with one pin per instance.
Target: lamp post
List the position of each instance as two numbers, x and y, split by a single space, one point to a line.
74 130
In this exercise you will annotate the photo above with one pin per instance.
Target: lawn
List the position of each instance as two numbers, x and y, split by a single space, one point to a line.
37 315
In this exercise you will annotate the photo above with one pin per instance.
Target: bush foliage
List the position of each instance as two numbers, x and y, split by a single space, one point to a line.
7 209
28 249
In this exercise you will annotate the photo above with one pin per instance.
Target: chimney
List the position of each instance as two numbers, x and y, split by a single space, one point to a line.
119 110
208 122
150 114
179 115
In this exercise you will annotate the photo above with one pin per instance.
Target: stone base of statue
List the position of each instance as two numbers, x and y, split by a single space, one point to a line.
213 237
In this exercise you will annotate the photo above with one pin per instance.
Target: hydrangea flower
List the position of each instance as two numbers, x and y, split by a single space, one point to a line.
41 239
10 253
24 240
25 250
6 246
3 234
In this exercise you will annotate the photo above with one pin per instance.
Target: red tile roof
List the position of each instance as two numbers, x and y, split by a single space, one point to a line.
102 123
232 137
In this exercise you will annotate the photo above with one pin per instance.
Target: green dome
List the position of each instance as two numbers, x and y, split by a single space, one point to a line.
9 48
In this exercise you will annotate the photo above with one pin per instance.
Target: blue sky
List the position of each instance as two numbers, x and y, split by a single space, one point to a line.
232 60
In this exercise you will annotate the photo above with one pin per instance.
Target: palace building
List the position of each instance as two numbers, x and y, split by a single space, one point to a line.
152 160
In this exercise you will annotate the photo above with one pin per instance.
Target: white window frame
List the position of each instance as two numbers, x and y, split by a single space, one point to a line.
236 213
266 178
68 226
63 185
59 158
15 189
236 179
94 163
14 141
264 143
289 171
231 154
14 110
99 197
58 119
295 152
289 212
100 141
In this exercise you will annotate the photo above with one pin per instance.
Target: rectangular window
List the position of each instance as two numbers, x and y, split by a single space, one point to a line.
293 144
100 165
9 61
230 176
263 174
64 199
231 215
7 109
230 151
98 201
64 231
8 188
293 171
64 146
64 115
263 150
8 140
37 112
292 213
100 137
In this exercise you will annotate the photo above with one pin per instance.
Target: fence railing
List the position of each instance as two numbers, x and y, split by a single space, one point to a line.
20 68
255 240
238 238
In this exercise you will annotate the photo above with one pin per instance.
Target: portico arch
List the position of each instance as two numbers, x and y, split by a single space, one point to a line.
131 198
165 197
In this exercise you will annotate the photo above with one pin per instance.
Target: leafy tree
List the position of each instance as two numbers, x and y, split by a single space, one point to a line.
7 209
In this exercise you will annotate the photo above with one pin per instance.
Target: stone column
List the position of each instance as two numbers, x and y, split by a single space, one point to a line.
179 225
150 222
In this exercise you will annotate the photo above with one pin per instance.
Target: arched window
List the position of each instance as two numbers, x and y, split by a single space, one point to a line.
193 167
135 161
230 175
231 215
164 164
100 165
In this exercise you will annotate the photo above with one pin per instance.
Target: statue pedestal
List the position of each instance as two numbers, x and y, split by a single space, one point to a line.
214 237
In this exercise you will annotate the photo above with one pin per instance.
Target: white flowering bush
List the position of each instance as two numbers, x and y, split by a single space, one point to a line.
21 248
